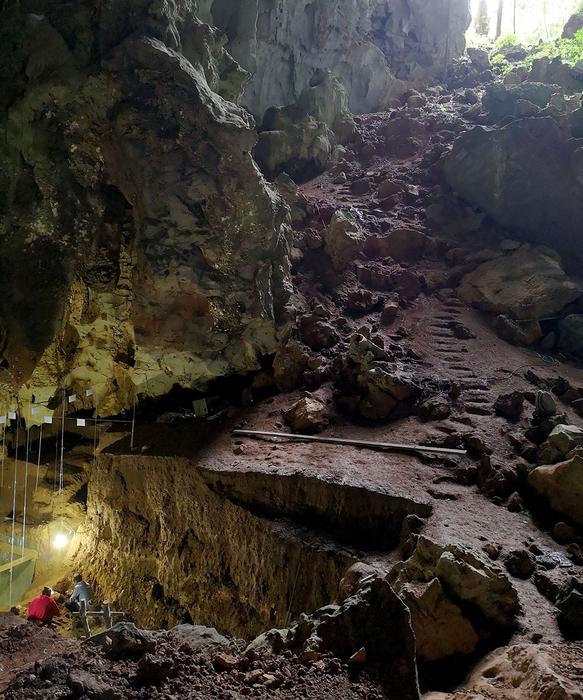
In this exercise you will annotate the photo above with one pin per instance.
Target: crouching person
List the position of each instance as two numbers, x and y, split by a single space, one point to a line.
43 608
81 592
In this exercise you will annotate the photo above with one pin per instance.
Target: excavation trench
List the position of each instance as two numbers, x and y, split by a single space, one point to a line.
242 552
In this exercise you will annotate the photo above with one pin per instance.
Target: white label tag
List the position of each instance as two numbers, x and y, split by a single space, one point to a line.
72 398
200 408
34 410
2 420
48 420
80 422
12 415
88 392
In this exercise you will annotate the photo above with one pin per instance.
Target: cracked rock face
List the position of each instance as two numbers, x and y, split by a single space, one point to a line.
140 244
373 46
526 176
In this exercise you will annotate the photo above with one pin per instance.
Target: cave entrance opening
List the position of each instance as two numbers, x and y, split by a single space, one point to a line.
523 21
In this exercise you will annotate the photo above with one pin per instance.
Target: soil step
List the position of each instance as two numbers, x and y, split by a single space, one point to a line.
478 399
477 410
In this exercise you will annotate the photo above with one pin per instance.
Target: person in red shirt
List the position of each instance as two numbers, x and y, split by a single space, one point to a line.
43 608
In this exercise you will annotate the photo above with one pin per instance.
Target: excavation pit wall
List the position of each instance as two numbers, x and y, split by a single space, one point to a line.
240 551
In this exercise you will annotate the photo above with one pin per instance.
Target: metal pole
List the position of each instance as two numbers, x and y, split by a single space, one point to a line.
133 426
3 451
40 443
62 464
395 447
25 497
13 531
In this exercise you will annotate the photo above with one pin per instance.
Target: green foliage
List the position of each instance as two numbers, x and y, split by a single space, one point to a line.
568 50
501 63
507 40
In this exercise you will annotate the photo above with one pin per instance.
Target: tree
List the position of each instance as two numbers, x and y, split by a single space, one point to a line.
482 21
499 19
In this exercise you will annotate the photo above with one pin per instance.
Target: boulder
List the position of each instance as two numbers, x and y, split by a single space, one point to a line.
361 620
571 336
526 284
517 332
403 245
501 100
565 438
125 639
289 364
367 383
354 577
197 637
361 301
480 58
293 197
526 176
344 240
318 333
562 485
570 611
449 585
441 629
520 563
522 672
577 123
299 139
308 415
553 71
573 25
87 685
510 405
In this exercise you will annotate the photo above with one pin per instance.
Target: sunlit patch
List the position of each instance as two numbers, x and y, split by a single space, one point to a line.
529 20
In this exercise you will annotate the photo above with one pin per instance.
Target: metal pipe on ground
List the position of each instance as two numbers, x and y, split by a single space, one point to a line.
386 446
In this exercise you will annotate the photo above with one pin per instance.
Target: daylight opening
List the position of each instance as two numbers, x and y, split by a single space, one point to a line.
530 21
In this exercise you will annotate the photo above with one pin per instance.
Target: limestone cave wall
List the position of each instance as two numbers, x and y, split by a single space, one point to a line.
373 46
140 245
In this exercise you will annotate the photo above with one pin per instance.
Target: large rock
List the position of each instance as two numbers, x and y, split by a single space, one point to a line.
571 336
371 46
562 485
526 176
197 637
140 248
564 438
344 240
374 618
299 138
308 415
441 629
503 100
573 25
455 598
527 284
125 639
372 386
522 672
